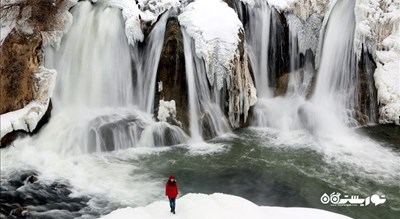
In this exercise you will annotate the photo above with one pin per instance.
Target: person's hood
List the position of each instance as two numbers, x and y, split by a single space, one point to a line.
171 177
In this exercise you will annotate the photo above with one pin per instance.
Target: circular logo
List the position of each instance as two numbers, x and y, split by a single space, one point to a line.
335 198
324 198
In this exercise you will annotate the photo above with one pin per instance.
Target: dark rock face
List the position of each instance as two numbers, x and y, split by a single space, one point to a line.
171 74
367 95
19 61
278 51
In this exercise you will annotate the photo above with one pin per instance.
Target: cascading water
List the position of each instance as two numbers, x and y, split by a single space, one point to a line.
204 100
258 24
102 104
336 82
146 61
94 69
99 105
320 122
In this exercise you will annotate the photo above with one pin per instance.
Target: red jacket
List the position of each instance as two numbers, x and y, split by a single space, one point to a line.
171 189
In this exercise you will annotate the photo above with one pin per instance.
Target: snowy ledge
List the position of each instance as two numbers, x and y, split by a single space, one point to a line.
135 12
215 28
378 31
218 206
28 117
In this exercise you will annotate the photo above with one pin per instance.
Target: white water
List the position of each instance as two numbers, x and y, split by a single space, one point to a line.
98 108
102 103
146 60
257 41
336 80
94 61
204 105
332 102
320 123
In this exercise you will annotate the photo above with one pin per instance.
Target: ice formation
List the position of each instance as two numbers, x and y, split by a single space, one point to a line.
307 31
215 27
378 31
218 44
217 206
241 90
28 117
137 12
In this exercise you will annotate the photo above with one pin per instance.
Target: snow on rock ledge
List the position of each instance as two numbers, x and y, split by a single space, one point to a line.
166 109
136 12
215 28
219 40
217 206
28 117
378 30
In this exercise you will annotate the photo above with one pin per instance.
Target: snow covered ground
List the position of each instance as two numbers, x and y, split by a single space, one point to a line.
217 206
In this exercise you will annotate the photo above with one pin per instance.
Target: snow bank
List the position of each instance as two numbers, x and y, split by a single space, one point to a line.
218 206
166 109
378 30
215 28
139 11
28 117
387 79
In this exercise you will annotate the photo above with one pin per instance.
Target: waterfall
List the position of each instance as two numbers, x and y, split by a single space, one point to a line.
93 63
333 100
205 101
105 89
257 42
146 61
336 80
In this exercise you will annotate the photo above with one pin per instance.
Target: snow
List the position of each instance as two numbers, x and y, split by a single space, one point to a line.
378 30
166 109
7 23
217 206
144 11
53 37
215 27
28 117
5 30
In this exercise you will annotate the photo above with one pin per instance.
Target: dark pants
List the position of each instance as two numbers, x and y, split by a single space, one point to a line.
172 204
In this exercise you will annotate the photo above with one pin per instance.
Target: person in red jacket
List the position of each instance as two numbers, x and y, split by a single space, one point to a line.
171 190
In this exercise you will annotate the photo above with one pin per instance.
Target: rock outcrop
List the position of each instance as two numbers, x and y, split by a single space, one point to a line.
278 51
18 62
367 97
25 85
171 81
